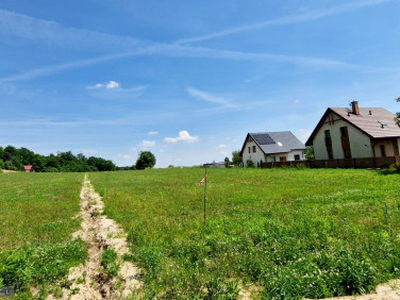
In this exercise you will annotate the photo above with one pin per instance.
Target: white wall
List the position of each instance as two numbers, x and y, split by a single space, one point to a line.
360 143
256 157
289 156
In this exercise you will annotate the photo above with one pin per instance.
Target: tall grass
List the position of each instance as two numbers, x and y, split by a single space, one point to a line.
287 233
36 223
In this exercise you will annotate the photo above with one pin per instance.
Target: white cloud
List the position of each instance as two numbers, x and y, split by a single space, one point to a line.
126 157
183 137
152 133
108 85
147 144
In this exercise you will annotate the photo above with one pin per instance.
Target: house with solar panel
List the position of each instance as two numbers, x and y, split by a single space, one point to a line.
263 147
354 132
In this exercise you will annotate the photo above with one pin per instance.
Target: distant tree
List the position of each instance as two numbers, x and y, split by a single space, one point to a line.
237 160
8 165
145 160
227 162
39 163
397 119
309 152
1 164
1 153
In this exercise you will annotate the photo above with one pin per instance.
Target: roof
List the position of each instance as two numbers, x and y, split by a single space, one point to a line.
28 167
275 142
369 121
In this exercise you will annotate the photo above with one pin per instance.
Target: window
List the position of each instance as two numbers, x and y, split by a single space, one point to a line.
249 150
254 149
343 132
297 157
383 151
327 133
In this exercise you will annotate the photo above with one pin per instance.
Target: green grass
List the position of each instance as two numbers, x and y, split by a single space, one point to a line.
36 223
291 233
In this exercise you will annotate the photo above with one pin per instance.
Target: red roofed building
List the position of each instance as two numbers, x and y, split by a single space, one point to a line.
29 168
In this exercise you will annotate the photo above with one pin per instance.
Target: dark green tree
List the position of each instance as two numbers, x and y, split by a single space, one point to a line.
397 119
227 162
309 152
237 160
1 164
145 160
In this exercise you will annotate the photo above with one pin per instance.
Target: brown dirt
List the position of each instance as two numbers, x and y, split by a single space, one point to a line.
89 281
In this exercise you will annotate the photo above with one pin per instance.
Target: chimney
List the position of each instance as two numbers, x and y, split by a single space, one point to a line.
356 109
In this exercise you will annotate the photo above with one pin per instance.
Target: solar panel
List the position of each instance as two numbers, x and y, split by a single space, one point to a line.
263 139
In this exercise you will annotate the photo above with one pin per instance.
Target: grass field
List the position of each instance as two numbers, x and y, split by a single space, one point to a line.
281 233
36 224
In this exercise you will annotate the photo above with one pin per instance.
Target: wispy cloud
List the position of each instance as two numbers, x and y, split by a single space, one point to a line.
152 133
183 137
113 90
208 97
222 149
286 20
55 34
52 33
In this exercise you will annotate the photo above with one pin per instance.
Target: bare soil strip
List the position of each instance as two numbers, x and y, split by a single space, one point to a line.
386 291
90 281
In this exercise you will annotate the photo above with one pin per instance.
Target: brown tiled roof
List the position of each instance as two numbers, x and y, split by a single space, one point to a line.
370 121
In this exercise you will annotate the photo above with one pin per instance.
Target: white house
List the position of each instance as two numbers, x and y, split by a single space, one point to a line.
355 133
271 147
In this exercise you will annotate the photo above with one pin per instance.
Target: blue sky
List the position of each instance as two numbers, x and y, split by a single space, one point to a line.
187 80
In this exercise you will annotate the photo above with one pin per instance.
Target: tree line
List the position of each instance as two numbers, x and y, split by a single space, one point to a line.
12 158
15 159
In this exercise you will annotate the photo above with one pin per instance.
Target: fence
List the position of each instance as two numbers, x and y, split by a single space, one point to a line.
355 163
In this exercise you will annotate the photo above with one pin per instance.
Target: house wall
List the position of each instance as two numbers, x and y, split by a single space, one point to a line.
388 144
360 143
256 157
289 156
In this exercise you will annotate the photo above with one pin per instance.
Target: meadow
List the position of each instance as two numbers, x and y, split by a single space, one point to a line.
36 223
275 234
271 233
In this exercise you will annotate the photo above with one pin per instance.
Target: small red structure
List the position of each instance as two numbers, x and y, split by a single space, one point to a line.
29 168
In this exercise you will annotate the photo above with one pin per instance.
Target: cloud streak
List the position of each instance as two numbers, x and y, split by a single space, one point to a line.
286 20
54 34
205 96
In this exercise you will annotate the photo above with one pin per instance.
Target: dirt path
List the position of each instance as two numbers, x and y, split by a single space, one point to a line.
90 281
386 291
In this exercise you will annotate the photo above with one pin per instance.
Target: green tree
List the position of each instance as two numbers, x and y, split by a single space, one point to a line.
227 162
145 160
309 152
10 166
251 164
237 160
397 119
1 164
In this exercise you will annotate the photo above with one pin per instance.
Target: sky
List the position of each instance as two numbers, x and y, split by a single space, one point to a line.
187 80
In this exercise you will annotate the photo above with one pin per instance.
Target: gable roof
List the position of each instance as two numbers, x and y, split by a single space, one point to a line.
274 142
369 121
